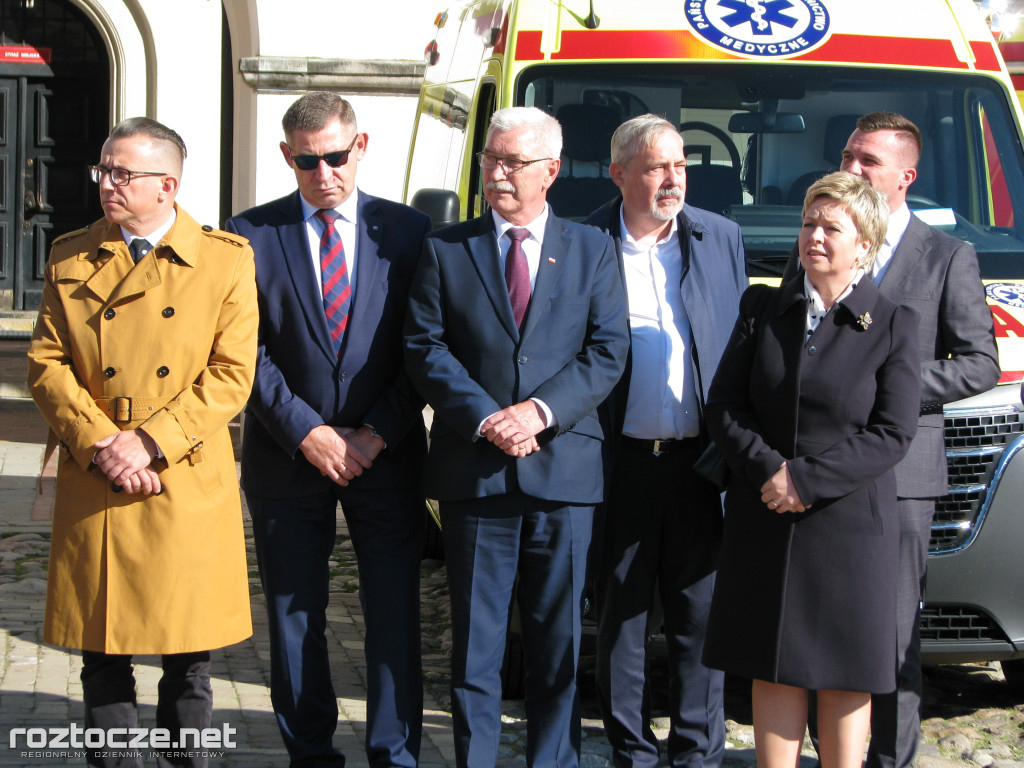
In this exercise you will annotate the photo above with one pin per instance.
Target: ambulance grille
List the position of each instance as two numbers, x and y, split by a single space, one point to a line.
974 444
956 623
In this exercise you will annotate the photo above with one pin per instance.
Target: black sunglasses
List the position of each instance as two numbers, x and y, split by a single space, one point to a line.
333 159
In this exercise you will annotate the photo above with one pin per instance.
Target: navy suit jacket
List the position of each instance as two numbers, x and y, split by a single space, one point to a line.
465 355
714 278
301 382
938 276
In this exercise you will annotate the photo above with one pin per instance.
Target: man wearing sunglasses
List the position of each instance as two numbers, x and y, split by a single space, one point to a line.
333 419
144 349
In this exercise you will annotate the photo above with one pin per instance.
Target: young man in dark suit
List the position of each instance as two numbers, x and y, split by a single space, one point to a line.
938 276
515 367
684 271
333 419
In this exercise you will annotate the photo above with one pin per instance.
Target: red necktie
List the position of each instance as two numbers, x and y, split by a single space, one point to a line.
334 276
517 274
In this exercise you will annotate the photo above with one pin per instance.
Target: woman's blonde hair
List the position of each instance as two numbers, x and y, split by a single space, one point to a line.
866 206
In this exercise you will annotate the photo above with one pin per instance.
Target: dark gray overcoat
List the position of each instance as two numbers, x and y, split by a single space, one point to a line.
809 599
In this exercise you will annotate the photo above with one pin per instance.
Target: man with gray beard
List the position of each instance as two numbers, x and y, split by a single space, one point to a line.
684 271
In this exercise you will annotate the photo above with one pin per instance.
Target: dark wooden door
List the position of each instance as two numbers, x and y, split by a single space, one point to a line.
8 188
54 117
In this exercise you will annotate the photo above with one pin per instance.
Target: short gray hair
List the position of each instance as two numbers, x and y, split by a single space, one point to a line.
545 130
637 135
314 110
147 126
866 206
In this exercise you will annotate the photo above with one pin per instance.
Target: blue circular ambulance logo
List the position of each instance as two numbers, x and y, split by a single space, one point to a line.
760 28
1011 294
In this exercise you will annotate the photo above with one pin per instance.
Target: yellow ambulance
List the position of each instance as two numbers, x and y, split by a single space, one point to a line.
766 93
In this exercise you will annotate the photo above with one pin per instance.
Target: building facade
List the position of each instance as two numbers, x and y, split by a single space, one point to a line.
220 72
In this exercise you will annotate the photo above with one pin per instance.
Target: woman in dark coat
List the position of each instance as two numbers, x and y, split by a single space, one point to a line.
815 400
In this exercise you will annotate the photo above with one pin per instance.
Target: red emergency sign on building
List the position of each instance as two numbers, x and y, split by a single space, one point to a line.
25 54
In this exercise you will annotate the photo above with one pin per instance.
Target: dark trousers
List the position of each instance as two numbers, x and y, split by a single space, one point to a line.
487 541
896 717
294 538
185 700
662 529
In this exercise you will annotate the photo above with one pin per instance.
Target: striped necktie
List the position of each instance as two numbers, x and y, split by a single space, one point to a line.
334 276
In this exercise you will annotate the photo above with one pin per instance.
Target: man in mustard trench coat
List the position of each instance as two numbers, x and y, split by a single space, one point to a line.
144 349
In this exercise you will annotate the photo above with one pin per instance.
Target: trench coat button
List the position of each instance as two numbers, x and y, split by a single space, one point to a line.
168 312
162 371
207 228
109 373
109 314
812 350
116 488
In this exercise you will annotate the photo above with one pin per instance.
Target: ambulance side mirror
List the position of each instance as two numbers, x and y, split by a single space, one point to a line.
441 205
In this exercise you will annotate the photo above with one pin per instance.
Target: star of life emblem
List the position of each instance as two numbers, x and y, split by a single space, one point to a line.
760 28
1011 294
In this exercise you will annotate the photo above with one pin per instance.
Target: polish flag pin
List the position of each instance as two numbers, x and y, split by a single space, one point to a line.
550 260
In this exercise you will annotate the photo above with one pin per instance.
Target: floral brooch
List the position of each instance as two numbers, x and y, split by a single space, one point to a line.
864 321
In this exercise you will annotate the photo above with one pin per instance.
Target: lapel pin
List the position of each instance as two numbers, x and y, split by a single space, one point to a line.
864 321
550 260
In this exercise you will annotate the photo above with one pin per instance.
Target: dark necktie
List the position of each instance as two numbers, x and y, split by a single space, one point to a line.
517 274
139 248
334 276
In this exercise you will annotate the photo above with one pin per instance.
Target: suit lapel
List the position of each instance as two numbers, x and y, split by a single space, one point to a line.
483 252
115 276
110 266
298 261
906 258
369 235
553 255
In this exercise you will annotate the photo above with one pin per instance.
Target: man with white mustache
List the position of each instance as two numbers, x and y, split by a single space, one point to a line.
684 271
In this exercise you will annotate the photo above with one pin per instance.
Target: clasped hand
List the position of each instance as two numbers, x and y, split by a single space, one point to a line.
514 429
780 494
341 453
126 458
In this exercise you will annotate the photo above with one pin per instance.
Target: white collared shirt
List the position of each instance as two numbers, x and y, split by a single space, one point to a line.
346 227
662 402
898 221
531 245
154 237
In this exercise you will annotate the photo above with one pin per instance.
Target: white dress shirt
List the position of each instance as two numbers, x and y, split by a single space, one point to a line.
154 237
531 245
346 227
662 402
898 221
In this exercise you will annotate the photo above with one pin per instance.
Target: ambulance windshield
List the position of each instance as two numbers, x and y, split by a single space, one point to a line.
757 135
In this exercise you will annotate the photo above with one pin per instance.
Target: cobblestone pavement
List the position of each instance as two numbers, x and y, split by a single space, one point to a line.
971 717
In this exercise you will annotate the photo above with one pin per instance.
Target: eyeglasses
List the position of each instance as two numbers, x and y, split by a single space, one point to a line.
333 159
510 164
119 177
